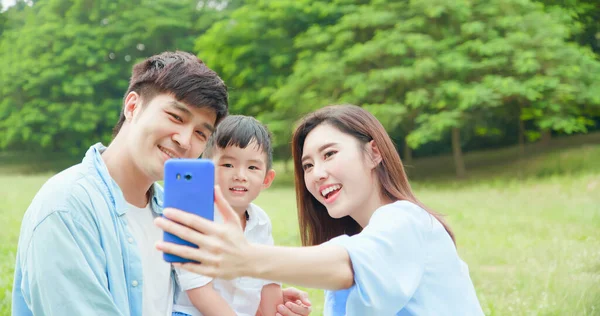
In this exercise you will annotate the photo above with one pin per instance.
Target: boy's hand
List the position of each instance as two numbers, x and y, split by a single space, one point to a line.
295 303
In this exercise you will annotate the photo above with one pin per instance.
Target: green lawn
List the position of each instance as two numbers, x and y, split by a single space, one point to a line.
533 248
532 245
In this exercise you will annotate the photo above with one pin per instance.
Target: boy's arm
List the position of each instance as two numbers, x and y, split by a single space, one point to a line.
270 297
209 302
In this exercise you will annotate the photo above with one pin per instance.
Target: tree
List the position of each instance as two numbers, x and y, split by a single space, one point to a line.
443 67
253 51
67 66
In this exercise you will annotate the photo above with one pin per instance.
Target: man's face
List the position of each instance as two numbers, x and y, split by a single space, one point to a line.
165 128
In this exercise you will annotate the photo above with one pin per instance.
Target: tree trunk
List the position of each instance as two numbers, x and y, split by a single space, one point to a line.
459 162
521 161
546 137
408 158
286 166
521 138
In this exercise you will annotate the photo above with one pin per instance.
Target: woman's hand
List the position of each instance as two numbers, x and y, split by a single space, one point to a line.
223 250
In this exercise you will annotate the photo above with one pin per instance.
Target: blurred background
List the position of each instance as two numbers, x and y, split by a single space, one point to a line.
494 107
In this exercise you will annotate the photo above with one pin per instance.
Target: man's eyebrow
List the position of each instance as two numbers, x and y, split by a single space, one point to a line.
320 149
209 127
181 107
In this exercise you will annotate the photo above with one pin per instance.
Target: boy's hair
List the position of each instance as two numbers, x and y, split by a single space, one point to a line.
184 76
240 131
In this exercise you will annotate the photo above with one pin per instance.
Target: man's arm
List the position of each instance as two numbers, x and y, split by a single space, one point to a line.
270 297
209 302
64 270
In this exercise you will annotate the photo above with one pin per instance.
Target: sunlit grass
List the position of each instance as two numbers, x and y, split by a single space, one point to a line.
529 230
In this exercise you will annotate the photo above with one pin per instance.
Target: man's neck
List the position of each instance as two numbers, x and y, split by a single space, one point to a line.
133 183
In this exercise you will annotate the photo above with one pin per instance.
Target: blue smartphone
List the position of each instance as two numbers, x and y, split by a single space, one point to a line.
189 186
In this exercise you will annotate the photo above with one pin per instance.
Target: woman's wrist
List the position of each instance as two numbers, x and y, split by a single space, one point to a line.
251 263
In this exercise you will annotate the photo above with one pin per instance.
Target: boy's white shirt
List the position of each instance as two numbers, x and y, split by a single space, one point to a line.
242 294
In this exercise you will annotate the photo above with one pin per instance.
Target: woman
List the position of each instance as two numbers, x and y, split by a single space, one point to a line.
369 241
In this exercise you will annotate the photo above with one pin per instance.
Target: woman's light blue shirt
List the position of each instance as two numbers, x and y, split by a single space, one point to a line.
405 263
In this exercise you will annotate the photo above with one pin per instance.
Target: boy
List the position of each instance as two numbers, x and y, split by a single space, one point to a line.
241 150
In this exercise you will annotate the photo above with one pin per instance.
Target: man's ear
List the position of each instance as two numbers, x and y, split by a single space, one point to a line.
268 179
132 106
374 154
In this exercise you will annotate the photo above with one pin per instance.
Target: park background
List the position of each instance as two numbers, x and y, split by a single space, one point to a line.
494 107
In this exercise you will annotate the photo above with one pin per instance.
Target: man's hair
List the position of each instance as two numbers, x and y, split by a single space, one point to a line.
184 76
240 131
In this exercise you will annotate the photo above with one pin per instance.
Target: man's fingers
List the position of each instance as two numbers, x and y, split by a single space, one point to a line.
304 299
298 308
292 309
225 209
293 294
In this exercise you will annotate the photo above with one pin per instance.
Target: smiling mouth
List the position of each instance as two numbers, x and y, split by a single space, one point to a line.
329 191
167 152
238 189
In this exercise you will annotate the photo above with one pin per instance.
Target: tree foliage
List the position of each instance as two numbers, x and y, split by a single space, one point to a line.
433 71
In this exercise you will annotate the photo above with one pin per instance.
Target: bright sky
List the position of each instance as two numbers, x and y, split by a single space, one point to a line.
7 3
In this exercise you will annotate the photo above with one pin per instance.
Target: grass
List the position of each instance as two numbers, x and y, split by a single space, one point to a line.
528 228
533 247
16 194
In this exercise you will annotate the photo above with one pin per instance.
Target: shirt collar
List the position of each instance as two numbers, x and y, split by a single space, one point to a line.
255 217
94 162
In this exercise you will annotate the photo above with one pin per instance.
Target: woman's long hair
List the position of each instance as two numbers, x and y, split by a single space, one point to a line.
316 226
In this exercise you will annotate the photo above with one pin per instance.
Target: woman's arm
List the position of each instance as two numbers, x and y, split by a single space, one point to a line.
225 253
324 266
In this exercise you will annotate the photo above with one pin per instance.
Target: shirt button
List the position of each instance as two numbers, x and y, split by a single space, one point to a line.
130 240
134 283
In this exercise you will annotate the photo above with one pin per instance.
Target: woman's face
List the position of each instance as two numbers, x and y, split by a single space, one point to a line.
338 171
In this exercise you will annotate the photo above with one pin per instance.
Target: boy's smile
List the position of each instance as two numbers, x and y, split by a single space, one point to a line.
238 190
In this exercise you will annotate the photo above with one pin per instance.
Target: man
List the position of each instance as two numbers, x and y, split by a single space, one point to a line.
86 245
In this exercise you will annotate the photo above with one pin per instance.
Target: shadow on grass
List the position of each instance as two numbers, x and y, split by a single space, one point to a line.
562 156
28 163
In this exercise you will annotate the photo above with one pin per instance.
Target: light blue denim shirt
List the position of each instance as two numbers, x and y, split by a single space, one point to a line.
76 255
405 263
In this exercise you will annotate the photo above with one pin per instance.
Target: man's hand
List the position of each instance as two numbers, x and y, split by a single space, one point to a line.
295 303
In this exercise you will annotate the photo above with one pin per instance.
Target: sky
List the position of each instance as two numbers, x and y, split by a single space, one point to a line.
7 3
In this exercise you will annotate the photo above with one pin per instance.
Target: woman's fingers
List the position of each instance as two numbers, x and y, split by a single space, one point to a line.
194 221
205 242
222 246
205 257
229 215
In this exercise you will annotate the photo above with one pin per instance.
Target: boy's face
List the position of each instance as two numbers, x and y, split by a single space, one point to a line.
242 173
164 128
